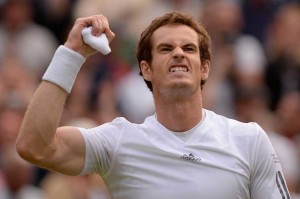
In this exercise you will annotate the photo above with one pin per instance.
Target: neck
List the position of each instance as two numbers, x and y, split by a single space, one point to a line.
179 114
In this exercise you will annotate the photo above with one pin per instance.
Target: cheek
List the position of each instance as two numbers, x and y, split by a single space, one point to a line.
198 66
158 66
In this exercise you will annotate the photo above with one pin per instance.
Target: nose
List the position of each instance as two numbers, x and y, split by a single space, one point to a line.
178 53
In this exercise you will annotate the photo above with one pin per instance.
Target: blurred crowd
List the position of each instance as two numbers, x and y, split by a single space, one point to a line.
255 77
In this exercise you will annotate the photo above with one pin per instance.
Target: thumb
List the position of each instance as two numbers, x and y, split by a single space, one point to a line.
110 35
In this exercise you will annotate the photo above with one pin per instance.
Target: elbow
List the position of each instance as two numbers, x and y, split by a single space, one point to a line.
29 151
34 149
29 154
24 150
35 152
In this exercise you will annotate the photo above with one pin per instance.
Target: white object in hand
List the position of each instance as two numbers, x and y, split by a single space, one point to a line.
99 43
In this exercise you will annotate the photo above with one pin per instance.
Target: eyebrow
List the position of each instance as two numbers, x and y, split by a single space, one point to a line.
163 45
170 45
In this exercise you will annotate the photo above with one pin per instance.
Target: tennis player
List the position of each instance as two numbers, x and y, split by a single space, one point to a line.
183 151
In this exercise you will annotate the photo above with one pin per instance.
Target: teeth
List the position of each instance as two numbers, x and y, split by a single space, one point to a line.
175 69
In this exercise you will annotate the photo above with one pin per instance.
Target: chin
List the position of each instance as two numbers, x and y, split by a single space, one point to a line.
180 90
185 85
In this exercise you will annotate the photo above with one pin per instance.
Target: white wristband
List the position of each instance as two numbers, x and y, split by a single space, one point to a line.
64 68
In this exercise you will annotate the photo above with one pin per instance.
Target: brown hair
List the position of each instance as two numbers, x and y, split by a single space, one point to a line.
144 49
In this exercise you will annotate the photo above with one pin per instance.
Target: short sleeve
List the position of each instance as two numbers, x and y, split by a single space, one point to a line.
101 144
267 180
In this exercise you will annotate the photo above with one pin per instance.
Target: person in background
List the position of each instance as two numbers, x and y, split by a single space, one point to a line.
239 58
21 37
282 73
18 175
56 15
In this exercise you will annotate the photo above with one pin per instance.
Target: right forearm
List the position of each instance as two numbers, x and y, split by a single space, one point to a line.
37 133
37 140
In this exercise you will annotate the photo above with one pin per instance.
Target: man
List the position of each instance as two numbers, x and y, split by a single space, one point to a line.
183 151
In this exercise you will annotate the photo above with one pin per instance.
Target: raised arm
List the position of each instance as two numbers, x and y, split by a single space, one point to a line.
40 141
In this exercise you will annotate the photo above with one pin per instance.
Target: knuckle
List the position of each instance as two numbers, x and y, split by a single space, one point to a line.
102 17
78 20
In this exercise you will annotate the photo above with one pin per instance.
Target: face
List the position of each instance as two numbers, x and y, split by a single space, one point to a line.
176 66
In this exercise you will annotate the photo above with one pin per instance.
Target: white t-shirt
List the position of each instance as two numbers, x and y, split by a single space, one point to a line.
218 158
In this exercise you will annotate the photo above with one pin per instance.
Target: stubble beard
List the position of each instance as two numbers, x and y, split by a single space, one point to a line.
178 92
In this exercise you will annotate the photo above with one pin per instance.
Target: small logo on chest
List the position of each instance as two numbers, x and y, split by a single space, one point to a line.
190 157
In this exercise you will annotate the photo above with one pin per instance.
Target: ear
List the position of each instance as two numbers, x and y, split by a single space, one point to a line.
146 70
205 67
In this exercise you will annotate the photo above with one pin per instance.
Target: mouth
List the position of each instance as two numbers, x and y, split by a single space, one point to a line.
178 69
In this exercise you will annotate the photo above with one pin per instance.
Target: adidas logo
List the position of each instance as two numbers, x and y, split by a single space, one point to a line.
190 157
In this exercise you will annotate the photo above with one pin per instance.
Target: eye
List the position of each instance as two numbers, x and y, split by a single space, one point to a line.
165 49
189 49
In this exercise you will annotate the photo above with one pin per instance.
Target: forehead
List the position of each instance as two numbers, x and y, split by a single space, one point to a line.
175 34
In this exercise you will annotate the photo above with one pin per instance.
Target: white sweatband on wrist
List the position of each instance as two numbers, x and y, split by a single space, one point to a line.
64 68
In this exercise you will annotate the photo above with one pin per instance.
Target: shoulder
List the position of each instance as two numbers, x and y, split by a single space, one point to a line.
233 126
119 124
248 140
242 135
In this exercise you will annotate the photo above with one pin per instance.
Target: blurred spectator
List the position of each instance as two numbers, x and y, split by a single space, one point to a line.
10 122
238 59
17 176
77 103
283 51
106 103
251 105
288 112
249 63
55 15
135 99
16 83
21 37
258 14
